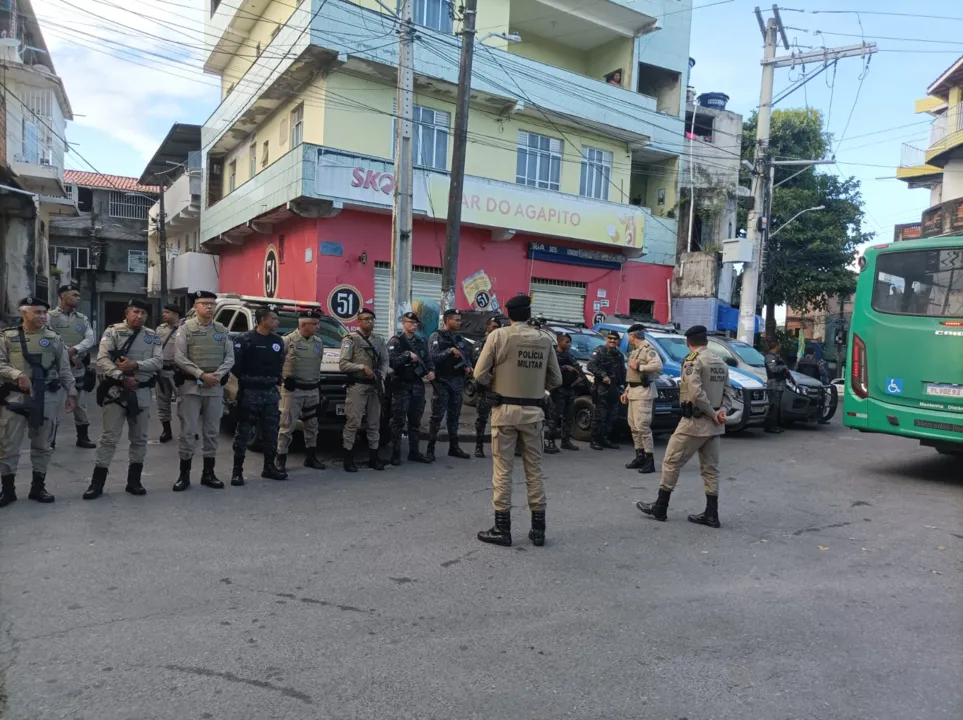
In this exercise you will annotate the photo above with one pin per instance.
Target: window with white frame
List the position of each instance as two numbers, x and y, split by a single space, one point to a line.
539 162
232 176
137 261
429 141
264 154
252 158
435 14
596 173
129 206
297 125
79 256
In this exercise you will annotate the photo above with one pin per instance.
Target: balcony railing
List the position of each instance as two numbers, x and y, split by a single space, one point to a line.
946 125
911 156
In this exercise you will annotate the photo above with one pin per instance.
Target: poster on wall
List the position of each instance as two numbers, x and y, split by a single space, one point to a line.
271 272
479 293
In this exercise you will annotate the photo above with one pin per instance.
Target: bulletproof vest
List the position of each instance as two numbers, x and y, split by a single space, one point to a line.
141 349
363 355
303 361
70 328
522 375
43 342
631 374
205 345
713 372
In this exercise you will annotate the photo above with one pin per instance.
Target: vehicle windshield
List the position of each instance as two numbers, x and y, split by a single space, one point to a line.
584 343
674 347
330 330
924 283
748 353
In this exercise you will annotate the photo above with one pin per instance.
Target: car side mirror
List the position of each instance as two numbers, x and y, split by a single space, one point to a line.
731 362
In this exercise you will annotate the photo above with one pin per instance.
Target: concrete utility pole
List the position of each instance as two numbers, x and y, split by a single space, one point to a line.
162 246
772 32
401 226
449 275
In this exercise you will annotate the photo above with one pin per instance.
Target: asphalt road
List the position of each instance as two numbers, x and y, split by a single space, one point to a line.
832 591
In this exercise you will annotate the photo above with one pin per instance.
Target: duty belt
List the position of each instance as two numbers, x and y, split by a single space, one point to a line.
168 366
298 385
636 384
523 402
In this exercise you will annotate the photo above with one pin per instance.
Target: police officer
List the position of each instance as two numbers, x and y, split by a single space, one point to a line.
258 360
452 365
777 372
562 409
203 356
518 364
364 356
607 365
644 366
411 364
704 381
165 388
483 406
78 335
301 392
128 361
36 373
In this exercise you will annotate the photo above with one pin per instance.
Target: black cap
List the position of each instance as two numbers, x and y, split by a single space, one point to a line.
173 308
696 330
310 314
411 316
366 311
449 312
612 334
635 328
203 295
34 302
138 303
67 288
519 302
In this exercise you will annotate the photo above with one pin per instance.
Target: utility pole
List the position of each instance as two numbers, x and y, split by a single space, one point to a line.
162 246
449 275
401 225
772 32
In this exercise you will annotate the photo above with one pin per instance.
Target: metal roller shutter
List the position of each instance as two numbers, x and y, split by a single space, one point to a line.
425 285
559 300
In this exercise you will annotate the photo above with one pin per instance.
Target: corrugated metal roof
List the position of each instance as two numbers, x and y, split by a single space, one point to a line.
107 182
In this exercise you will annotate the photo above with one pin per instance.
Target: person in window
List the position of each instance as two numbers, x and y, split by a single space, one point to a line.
614 78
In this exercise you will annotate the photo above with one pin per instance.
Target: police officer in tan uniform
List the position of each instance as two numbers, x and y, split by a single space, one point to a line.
704 381
644 366
128 361
165 386
516 366
300 390
75 330
203 356
34 389
364 356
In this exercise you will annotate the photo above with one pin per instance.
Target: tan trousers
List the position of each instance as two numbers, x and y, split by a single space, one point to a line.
640 423
14 426
680 450
504 438
80 412
206 409
115 417
165 395
359 401
293 403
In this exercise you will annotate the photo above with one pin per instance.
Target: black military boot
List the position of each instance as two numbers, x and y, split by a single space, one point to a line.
133 479
237 472
281 462
374 460
8 490
648 463
537 533
270 471
597 443
83 438
551 448
311 459
711 515
454 450
569 445
479 447
396 452
166 434
349 464
97 483
608 444
208 478
430 451
637 461
501 534
414 454
184 479
659 507
37 490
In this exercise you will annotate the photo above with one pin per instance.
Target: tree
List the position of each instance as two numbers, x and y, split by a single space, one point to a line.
808 261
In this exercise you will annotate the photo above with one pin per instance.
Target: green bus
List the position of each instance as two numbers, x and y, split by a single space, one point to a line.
904 371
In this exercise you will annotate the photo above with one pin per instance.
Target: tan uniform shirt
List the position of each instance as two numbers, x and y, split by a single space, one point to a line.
704 380
646 361
357 355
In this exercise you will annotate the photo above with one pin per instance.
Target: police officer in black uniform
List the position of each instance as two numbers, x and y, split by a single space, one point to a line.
561 412
777 373
450 354
411 364
607 365
483 405
258 360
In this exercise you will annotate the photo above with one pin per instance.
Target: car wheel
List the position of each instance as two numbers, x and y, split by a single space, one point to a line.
469 395
583 412
829 407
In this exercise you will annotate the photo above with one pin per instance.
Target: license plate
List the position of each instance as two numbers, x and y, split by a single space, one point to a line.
339 410
663 408
944 390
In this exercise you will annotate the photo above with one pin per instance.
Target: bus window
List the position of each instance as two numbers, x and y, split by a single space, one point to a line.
926 283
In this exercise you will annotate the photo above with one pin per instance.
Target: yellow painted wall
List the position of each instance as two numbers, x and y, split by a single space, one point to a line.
492 16
650 178
550 52
278 11
612 55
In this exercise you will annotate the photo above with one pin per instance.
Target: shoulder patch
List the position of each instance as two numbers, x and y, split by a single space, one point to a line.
691 356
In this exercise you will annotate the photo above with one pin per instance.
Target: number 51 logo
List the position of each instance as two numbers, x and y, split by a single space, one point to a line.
344 302
271 272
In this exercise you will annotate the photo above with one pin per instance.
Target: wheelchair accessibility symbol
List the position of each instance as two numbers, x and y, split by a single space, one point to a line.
894 386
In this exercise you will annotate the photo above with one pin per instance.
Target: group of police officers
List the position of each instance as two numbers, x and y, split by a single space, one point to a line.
521 373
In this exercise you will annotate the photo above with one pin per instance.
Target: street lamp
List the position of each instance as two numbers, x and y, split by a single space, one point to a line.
801 212
162 244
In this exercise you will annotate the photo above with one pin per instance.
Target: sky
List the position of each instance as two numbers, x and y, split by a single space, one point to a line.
124 101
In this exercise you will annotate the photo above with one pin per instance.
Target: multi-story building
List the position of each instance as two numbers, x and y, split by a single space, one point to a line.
939 166
571 187
33 117
177 167
104 248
